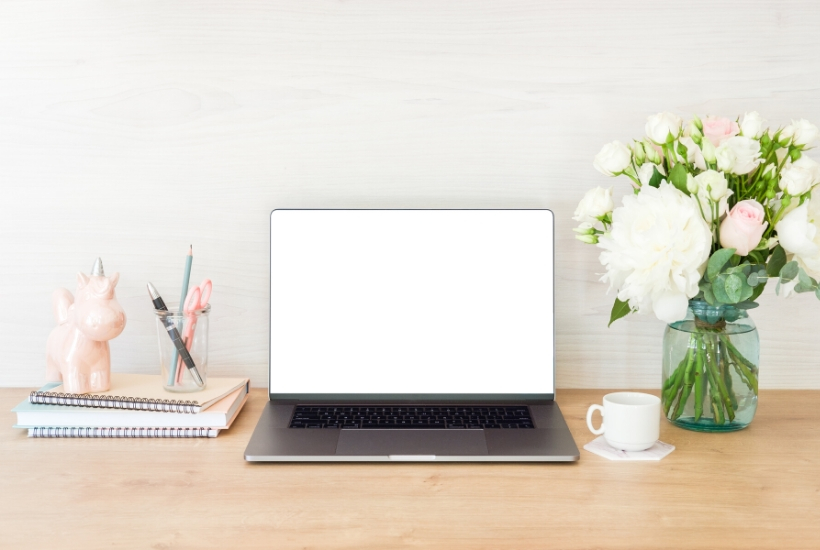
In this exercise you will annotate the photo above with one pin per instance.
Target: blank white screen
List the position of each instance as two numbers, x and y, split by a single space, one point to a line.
411 301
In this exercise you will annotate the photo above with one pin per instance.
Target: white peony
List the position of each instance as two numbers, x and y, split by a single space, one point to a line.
802 132
738 155
799 234
613 159
693 153
799 176
663 127
596 204
752 125
656 251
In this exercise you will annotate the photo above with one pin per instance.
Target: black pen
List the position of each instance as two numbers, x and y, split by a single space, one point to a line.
159 305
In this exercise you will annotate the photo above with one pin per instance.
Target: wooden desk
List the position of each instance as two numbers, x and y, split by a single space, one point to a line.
758 488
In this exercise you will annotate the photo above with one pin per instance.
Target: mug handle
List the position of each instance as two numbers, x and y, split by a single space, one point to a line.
591 410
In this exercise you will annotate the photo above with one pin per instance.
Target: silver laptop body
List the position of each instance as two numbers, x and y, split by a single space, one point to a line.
411 335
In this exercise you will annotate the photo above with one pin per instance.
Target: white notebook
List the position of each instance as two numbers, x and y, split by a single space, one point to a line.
219 415
140 392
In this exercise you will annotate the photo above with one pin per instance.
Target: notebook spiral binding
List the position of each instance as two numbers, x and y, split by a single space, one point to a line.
122 432
114 402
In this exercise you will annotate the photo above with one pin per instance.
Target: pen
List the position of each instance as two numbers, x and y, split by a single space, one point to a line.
159 304
176 363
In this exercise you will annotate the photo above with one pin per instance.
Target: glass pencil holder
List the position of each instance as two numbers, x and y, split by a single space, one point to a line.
183 341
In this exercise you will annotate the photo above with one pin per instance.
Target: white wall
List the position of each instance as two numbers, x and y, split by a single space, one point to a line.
129 130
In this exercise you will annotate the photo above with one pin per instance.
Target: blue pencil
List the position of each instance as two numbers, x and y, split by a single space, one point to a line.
186 279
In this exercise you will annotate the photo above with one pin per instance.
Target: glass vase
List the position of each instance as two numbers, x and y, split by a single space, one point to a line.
710 369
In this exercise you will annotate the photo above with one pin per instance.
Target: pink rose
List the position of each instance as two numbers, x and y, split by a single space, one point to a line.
743 227
718 129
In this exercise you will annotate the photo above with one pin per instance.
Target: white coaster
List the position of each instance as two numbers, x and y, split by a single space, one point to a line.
600 447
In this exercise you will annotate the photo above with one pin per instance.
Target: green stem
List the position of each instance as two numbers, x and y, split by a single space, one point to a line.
727 373
700 387
723 391
690 382
678 377
745 367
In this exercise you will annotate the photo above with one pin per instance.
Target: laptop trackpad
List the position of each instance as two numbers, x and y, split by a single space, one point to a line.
411 442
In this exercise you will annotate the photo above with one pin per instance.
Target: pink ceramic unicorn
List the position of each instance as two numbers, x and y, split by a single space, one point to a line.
77 351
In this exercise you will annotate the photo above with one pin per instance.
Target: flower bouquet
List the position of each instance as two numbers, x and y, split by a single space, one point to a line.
719 207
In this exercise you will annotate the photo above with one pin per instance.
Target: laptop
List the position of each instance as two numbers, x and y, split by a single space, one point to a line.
411 335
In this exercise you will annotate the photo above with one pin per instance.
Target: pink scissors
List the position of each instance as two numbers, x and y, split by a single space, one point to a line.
197 298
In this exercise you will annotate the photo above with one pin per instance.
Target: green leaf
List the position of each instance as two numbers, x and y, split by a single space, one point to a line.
817 293
709 296
656 179
750 304
719 289
717 261
734 287
752 279
677 177
805 280
619 309
758 290
776 262
789 272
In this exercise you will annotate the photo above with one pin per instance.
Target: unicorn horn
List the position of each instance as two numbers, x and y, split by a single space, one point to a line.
98 270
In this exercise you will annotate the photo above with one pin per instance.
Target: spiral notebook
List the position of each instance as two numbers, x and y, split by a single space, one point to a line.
141 392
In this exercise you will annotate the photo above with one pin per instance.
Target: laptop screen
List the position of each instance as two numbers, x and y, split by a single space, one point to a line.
411 303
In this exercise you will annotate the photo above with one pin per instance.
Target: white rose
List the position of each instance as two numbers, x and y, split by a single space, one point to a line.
725 158
799 176
596 204
752 125
799 234
713 184
693 153
656 251
738 155
801 131
661 126
613 159
646 171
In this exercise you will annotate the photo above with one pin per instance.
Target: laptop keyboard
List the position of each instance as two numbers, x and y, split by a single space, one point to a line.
412 417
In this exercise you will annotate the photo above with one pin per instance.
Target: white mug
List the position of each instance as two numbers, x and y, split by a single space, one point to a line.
631 420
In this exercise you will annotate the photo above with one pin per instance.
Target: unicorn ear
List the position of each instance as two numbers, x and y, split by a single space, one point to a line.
82 280
115 278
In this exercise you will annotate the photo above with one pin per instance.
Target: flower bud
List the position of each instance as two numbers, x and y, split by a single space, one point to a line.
652 154
708 150
697 122
584 229
638 153
589 239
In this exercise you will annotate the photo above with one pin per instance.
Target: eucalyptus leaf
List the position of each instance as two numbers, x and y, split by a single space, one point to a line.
748 304
734 287
776 262
817 293
805 280
800 288
709 296
752 279
719 290
717 261
619 309
789 272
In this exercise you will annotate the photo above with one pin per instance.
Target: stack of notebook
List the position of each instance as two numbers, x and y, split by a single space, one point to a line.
135 406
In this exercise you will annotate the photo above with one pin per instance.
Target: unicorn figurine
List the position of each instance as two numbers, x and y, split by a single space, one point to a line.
77 351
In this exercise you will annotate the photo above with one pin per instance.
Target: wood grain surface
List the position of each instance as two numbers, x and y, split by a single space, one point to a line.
129 130
757 488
